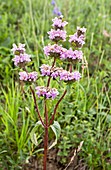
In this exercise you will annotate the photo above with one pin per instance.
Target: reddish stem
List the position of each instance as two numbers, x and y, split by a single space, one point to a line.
45 137
46 126
45 149
70 68
50 77
36 106
56 106
22 87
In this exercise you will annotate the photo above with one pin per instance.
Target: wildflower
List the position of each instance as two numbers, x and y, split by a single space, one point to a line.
76 75
81 31
58 23
77 40
46 92
24 76
57 35
45 70
71 55
22 58
18 49
54 50
53 72
67 76
32 76
56 71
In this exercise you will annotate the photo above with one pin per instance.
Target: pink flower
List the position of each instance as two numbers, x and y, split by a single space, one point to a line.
45 70
53 72
57 35
72 55
32 76
67 76
78 40
76 75
22 58
77 55
58 51
54 50
58 23
18 49
24 76
46 92
81 31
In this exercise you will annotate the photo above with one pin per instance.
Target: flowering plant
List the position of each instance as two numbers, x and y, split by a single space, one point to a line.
55 51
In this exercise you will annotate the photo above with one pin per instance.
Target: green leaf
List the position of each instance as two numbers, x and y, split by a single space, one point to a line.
57 130
33 134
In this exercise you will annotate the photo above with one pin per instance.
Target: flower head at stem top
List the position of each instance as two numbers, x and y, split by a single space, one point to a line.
46 92
57 35
55 72
24 76
21 58
54 50
58 23
18 49
78 39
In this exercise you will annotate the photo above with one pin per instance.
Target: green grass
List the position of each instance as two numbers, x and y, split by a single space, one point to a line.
84 114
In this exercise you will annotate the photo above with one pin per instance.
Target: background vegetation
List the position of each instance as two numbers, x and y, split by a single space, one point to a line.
84 114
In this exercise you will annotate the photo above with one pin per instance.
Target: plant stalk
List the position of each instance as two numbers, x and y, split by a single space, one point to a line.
36 106
48 83
45 137
56 106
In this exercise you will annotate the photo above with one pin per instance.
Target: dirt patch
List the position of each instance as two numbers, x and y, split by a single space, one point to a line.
53 163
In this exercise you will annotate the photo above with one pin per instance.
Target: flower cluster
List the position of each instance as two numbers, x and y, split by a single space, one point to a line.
67 76
57 35
18 49
78 38
58 51
46 92
81 31
24 76
58 23
21 58
55 72
71 55
54 50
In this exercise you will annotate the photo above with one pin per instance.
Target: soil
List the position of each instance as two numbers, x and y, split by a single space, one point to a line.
53 163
